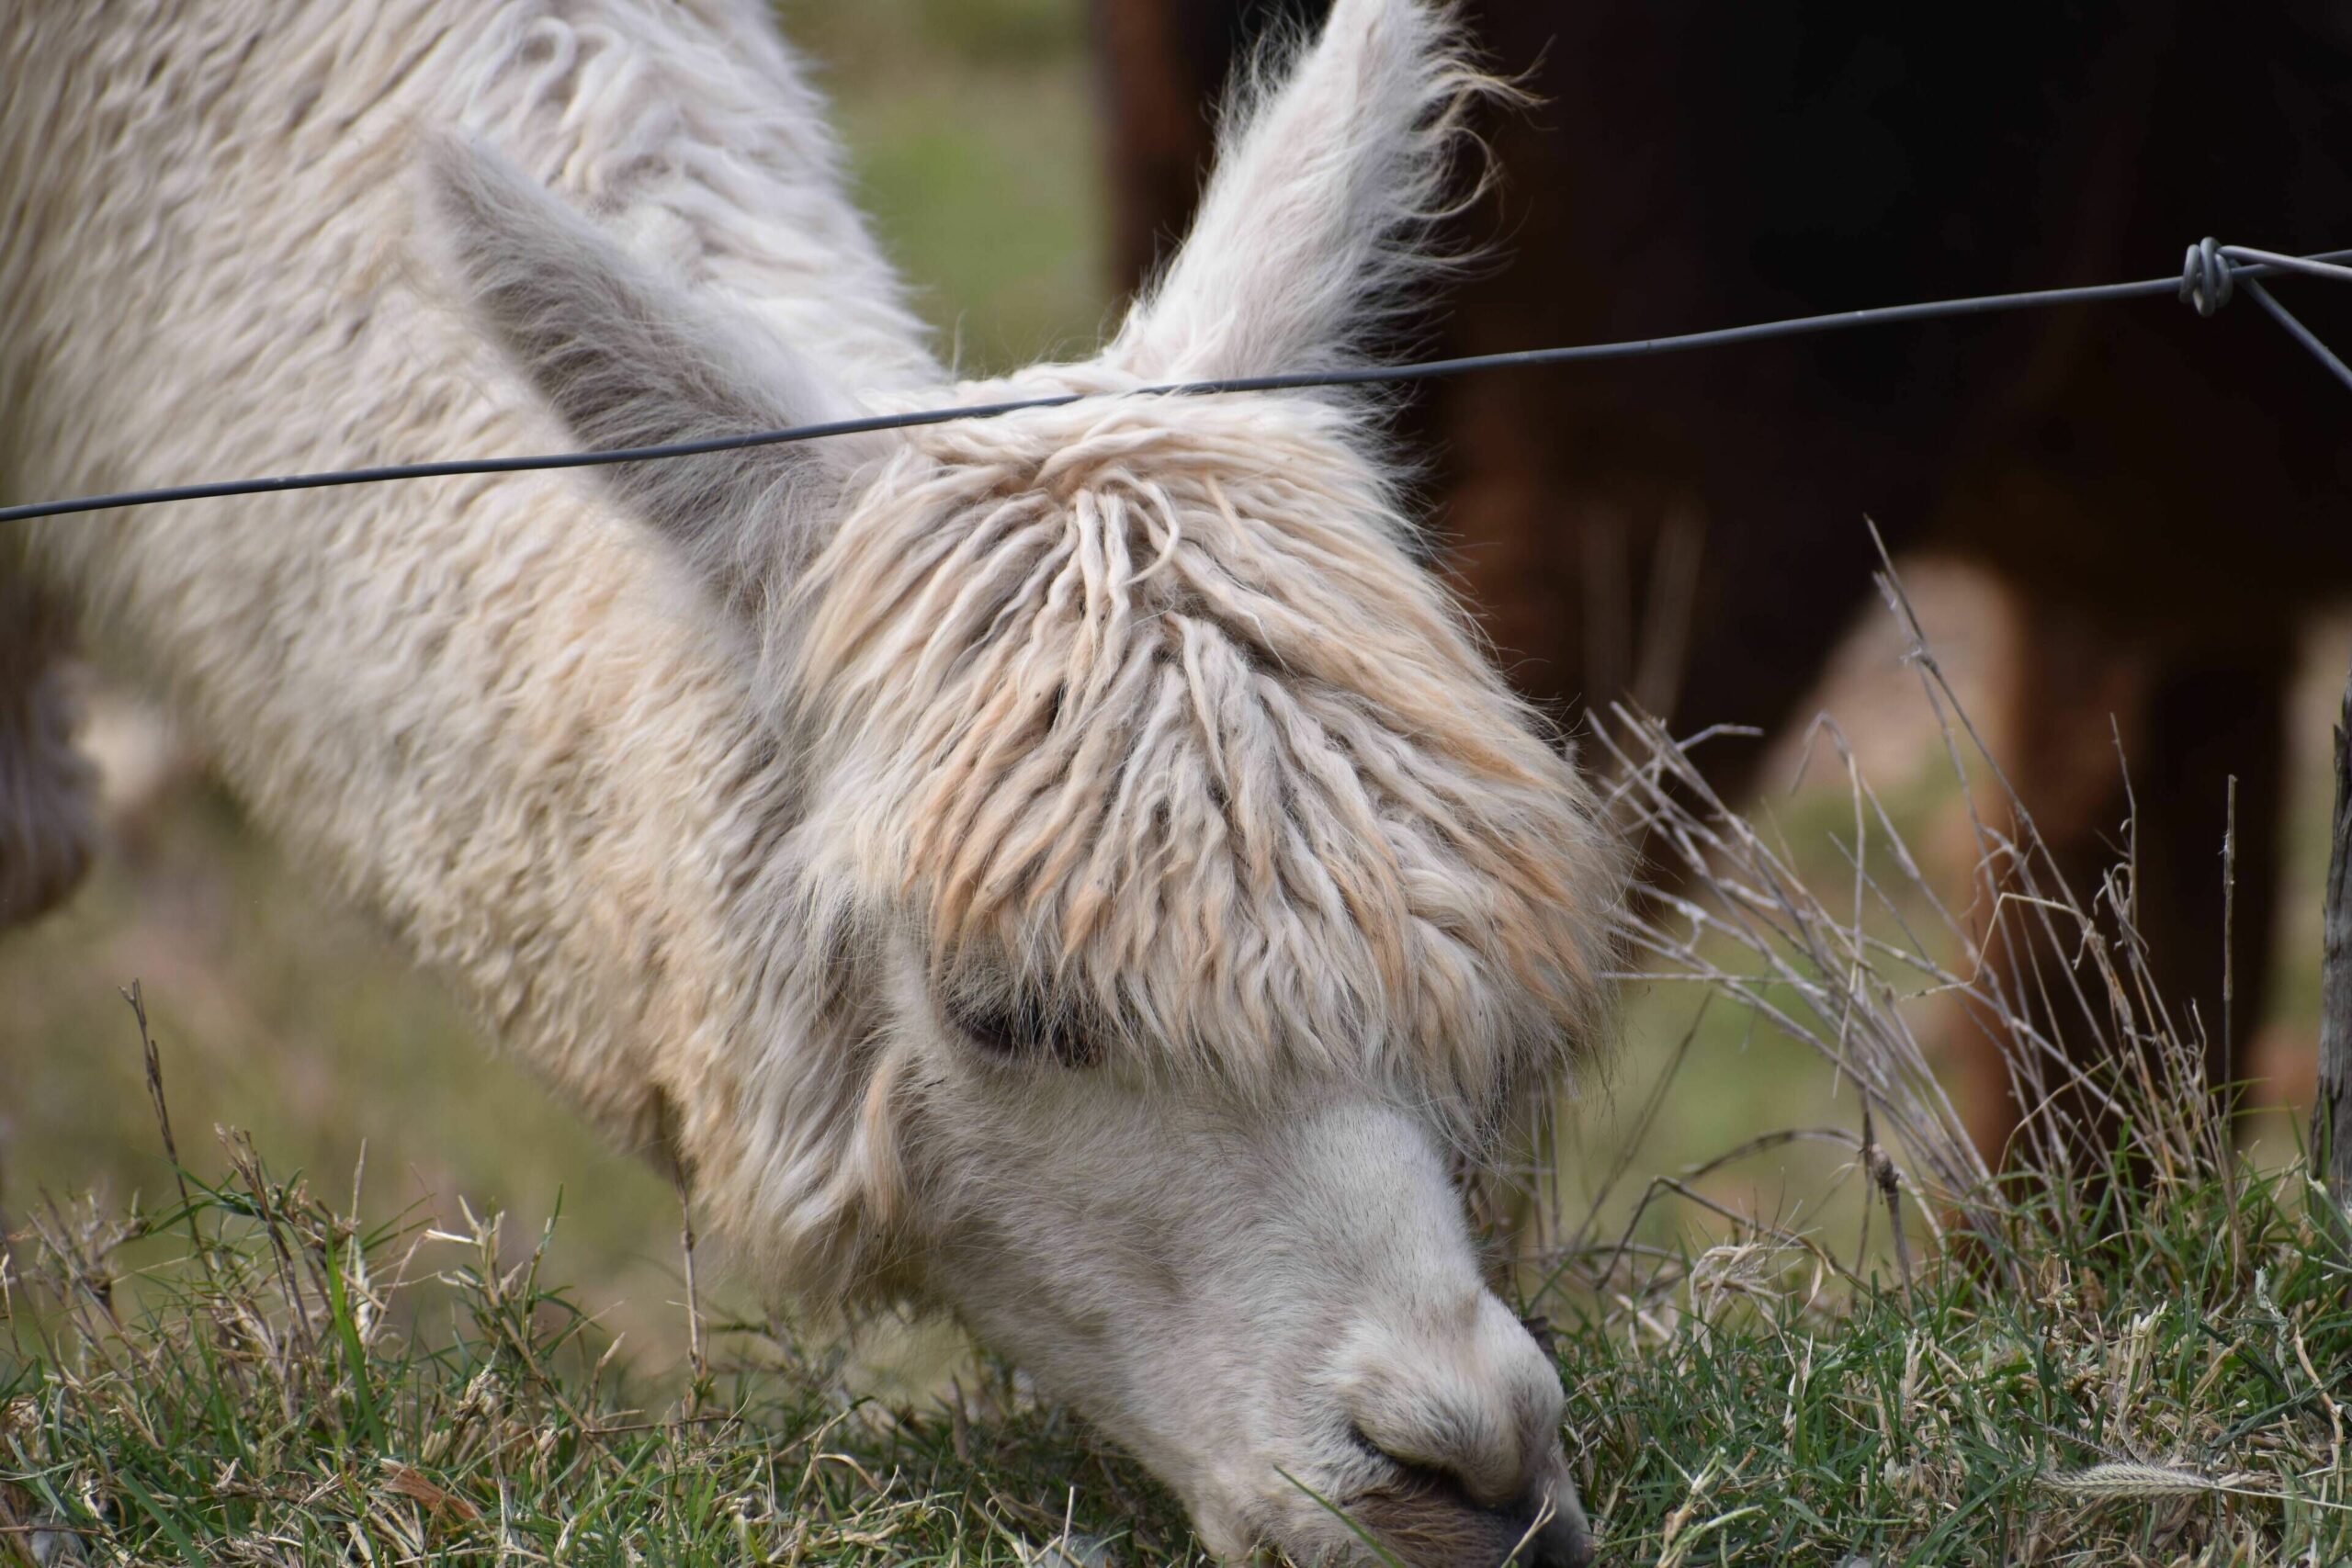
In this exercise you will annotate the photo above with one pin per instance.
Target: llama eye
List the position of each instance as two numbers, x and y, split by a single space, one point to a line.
994 1031
1025 1031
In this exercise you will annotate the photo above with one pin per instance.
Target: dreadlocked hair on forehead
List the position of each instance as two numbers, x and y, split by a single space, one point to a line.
1145 702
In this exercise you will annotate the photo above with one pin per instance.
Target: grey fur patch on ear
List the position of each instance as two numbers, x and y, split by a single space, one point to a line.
628 358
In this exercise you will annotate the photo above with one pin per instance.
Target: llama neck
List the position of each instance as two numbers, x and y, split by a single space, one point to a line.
486 708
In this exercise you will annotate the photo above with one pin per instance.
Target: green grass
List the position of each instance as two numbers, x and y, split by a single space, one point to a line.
227 1379
1745 1418
241 1377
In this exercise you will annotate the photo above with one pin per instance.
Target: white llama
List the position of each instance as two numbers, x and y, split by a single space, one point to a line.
1073 868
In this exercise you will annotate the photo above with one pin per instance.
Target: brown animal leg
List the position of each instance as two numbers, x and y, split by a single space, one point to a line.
2189 719
48 829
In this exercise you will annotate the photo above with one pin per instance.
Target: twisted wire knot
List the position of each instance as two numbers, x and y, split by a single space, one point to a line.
2207 280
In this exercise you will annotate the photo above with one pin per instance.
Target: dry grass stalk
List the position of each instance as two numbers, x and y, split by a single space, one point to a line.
2331 1108
1730 913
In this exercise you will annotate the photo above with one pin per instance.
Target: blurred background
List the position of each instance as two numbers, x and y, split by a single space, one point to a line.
978 148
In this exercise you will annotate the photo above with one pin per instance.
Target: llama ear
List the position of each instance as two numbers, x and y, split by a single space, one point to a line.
628 358
1325 184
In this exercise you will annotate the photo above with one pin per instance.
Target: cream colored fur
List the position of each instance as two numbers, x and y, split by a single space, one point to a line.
1074 869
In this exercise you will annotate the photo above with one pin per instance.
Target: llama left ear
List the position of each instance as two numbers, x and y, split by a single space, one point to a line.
1308 231
629 359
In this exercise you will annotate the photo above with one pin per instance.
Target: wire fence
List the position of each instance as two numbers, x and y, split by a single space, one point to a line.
2209 277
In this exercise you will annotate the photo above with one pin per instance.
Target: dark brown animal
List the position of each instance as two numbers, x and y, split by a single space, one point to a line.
2166 495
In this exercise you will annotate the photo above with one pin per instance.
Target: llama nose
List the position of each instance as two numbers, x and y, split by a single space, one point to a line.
1471 1397
1468 1405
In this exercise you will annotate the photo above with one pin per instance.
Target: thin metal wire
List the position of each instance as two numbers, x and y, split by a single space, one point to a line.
2206 280
2325 265
2299 332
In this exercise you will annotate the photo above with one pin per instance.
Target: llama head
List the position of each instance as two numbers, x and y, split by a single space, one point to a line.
1174 902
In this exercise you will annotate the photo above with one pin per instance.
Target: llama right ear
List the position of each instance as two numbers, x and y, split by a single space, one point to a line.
629 359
